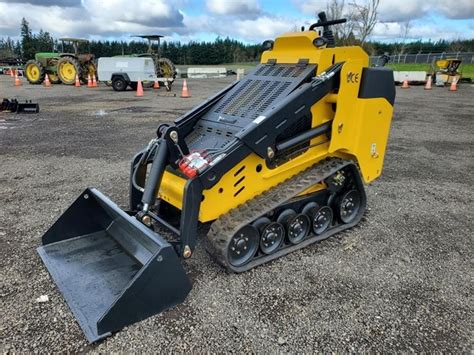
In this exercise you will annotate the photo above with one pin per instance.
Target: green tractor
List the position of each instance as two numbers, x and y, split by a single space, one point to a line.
164 67
61 67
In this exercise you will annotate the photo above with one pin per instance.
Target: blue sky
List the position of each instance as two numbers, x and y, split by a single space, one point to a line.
249 20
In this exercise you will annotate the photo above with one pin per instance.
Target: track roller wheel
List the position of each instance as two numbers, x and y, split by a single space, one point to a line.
322 220
243 246
349 205
321 217
297 225
271 234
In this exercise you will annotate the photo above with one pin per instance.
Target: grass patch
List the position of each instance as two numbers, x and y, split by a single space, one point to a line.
466 69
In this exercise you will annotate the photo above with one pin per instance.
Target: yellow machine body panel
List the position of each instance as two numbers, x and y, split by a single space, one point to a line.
293 46
241 183
361 126
359 131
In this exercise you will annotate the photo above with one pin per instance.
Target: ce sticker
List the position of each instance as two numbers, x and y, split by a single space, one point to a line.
352 77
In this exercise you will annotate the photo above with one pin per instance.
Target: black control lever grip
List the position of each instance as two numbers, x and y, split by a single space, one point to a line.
327 23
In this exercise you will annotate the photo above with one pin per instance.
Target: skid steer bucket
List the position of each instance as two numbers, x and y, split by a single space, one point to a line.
111 269
27 107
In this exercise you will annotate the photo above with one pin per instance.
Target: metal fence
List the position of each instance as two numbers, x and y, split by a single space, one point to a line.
467 57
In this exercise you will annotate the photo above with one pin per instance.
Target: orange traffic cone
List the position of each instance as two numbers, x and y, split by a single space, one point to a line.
17 80
454 85
12 73
94 81
77 84
47 83
139 88
185 92
405 84
428 83
156 85
89 81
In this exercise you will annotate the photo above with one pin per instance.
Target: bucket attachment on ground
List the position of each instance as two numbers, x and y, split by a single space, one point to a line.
112 270
27 107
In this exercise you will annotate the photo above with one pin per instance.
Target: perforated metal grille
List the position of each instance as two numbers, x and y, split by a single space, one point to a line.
257 91
205 137
255 97
250 98
280 71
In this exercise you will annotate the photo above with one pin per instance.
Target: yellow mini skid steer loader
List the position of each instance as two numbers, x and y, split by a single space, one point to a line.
272 163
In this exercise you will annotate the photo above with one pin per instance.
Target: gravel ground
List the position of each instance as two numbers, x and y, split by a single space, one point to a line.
400 281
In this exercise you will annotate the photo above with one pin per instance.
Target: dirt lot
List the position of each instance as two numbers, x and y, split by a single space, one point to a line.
400 281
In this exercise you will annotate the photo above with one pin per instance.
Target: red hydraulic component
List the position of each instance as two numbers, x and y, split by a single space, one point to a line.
194 163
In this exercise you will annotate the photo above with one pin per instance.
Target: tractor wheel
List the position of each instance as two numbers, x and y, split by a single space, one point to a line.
88 68
54 78
68 68
166 69
34 72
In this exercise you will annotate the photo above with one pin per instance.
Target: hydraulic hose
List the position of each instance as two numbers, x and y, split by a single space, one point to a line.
143 160
156 174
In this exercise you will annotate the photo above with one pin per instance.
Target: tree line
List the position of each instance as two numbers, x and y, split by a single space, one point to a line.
219 51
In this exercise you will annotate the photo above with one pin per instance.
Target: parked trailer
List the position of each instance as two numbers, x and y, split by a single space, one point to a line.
127 71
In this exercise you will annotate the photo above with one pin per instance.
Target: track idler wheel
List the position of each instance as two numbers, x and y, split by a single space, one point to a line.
243 246
271 234
297 225
348 206
321 217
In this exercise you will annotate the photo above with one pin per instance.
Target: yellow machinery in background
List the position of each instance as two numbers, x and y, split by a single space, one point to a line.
446 70
268 165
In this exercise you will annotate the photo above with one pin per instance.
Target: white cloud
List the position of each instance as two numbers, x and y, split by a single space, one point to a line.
95 19
394 30
253 30
311 7
263 27
233 7
459 9
392 10
393 13
396 10
62 3
69 20
155 13
247 20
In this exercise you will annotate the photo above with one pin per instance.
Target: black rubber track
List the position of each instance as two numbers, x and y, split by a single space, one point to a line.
226 226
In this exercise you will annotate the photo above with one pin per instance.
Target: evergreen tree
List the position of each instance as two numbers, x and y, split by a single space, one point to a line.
43 42
27 41
220 51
